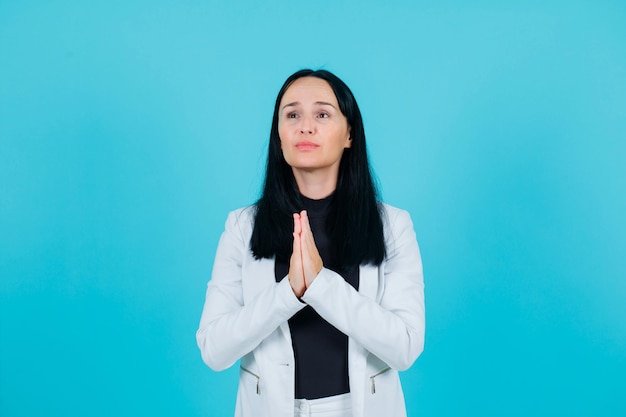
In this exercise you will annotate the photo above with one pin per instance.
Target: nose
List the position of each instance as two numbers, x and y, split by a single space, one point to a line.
307 125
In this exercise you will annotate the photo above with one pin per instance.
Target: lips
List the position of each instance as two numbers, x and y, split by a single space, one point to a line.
306 146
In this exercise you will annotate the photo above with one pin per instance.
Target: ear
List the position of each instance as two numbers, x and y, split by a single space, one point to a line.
348 140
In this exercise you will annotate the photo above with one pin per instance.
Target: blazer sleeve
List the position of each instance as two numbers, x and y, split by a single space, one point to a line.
230 328
392 327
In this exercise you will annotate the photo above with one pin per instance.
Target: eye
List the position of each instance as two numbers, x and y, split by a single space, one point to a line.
292 115
324 115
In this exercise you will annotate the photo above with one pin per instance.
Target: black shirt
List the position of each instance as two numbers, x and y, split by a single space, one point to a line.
321 351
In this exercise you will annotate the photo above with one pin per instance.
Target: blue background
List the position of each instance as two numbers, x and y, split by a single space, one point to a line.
129 129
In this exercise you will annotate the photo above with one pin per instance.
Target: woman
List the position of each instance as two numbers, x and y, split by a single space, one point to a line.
318 287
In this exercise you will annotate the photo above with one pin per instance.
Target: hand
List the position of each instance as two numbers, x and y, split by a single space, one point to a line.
311 260
296 273
305 263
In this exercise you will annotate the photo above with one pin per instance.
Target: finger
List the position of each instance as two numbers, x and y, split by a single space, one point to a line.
311 261
296 273
307 234
297 248
311 265
306 225
310 254
297 223
304 220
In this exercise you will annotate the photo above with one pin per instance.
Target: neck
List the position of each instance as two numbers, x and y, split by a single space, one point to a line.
314 184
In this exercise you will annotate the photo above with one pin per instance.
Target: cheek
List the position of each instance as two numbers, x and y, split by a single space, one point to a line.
282 134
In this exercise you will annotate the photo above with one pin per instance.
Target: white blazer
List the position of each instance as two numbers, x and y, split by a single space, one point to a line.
246 311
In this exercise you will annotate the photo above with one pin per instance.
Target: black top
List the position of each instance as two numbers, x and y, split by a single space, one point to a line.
321 351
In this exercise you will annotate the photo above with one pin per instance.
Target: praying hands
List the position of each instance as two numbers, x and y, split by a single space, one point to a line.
305 262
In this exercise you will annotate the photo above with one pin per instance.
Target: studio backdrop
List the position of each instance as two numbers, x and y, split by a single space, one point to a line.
129 130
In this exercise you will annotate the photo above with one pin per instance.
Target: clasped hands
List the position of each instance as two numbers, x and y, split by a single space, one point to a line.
305 263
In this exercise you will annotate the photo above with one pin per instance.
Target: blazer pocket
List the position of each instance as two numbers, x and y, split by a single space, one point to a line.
375 375
255 378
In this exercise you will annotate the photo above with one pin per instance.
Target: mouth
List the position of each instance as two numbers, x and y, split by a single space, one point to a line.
306 146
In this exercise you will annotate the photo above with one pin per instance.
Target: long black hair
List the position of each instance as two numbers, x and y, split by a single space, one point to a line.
354 222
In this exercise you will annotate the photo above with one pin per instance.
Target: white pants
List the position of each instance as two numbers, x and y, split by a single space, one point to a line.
335 406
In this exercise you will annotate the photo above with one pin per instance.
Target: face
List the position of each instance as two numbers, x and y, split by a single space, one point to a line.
313 131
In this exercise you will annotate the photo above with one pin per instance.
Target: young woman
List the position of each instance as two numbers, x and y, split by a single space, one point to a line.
318 287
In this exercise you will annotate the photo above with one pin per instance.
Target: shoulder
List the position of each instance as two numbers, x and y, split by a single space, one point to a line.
241 220
394 217
243 214
398 227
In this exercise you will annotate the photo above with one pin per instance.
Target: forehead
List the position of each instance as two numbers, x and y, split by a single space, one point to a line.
309 89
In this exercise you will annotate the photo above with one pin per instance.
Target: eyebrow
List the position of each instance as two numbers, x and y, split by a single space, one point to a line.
319 103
